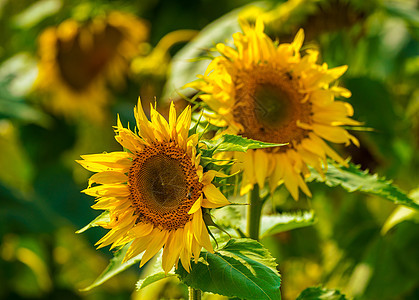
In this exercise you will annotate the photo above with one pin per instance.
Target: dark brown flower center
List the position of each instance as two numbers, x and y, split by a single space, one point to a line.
164 185
272 108
79 66
268 106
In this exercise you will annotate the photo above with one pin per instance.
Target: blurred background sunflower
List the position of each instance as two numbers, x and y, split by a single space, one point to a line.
77 59
66 69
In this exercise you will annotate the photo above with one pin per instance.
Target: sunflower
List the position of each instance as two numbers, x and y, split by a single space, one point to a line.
155 192
271 93
78 59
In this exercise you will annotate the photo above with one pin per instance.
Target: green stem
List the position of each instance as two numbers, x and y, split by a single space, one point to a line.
194 294
254 211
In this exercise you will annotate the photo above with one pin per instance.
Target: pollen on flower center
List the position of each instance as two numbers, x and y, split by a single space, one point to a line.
163 186
268 106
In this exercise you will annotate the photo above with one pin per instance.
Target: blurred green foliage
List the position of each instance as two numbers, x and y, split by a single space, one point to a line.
40 202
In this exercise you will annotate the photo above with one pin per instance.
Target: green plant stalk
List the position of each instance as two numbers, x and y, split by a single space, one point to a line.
254 210
194 294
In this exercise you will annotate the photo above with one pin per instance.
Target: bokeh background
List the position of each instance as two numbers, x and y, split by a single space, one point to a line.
67 68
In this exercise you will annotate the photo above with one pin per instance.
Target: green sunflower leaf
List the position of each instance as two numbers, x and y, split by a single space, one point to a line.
352 179
115 267
242 268
401 214
319 293
103 217
227 217
230 142
142 283
153 272
274 224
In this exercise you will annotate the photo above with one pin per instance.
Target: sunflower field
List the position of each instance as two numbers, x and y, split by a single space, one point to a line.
202 149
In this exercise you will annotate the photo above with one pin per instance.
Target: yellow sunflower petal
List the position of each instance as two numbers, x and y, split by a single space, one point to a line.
201 232
186 253
209 176
276 178
160 124
331 133
115 190
197 225
112 236
172 249
196 250
329 151
127 138
298 40
137 247
261 167
196 206
172 120
118 156
108 202
249 164
143 124
108 177
159 238
214 198
141 229
290 176
183 124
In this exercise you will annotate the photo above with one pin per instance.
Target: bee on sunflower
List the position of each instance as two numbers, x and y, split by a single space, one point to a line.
156 190
272 93
78 59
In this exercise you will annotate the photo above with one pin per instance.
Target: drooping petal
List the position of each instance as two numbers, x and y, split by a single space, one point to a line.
261 167
214 198
138 246
186 253
112 236
197 224
209 176
172 250
200 231
159 238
